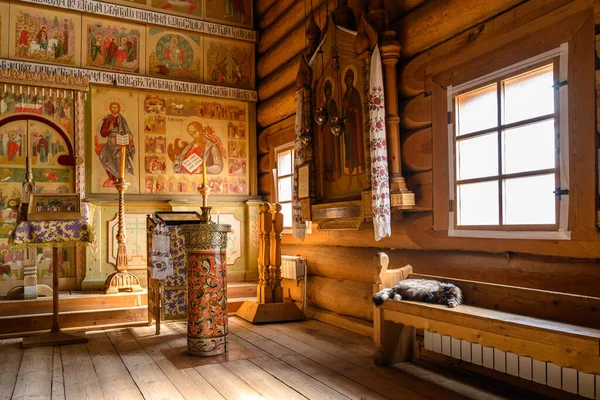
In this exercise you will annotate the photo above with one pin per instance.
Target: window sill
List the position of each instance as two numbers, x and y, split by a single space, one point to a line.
534 235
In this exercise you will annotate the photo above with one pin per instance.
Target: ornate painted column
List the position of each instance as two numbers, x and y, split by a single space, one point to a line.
206 248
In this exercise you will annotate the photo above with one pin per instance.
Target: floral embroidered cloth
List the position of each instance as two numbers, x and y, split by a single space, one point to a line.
55 233
162 262
380 186
298 223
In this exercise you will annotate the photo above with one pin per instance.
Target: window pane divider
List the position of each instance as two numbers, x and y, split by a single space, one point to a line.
507 176
506 126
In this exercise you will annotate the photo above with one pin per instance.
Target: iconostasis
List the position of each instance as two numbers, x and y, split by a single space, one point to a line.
178 76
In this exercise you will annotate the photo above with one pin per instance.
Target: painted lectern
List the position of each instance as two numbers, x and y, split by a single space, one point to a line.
206 248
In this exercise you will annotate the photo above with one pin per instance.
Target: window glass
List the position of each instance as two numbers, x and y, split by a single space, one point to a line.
530 200
529 147
477 110
529 95
478 203
477 157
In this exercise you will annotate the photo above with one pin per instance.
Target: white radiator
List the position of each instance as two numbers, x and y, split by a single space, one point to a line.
545 373
294 267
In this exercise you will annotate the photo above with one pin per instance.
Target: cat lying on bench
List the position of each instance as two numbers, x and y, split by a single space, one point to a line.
426 290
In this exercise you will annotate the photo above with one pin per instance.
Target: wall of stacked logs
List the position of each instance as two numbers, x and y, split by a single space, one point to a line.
431 33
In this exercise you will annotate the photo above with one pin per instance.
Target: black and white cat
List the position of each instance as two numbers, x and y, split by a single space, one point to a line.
426 290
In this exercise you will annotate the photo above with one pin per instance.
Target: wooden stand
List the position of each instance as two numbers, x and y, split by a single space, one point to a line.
55 337
269 306
206 248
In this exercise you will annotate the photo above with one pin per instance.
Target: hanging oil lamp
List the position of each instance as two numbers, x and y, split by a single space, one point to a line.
336 123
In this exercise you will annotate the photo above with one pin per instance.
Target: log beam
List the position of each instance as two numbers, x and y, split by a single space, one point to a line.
292 16
417 150
275 13
286 47
437 21
278 107
413 74
416 112
535 272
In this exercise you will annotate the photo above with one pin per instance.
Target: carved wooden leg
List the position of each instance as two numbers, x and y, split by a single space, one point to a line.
393 341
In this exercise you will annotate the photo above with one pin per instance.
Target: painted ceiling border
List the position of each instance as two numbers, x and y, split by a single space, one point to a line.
151 17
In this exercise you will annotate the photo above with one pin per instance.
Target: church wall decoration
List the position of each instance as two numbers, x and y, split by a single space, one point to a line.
231 12
229 63
4 24
177 128
113 45
234 238
343 161
135 229
45 35
134 81
44 145
174 54
114 112
188 8
106 9
131 3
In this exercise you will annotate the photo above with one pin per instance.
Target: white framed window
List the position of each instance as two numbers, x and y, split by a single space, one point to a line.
284 179
508 152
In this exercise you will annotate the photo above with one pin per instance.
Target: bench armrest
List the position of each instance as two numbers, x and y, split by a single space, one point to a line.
386 278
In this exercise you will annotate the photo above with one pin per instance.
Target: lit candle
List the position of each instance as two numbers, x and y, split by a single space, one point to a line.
123 155
203 173
218 218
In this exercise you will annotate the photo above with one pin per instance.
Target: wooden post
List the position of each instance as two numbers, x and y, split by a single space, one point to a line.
275 262
265 224
269 305
55 337
390 53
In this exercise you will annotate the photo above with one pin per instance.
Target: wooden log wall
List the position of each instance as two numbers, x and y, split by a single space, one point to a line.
431 33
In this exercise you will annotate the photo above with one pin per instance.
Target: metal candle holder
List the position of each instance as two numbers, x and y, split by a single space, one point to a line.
204 190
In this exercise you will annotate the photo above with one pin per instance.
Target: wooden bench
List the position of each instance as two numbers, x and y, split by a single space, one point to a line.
547 326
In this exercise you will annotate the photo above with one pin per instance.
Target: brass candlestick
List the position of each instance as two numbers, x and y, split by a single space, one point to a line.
204 191
122 281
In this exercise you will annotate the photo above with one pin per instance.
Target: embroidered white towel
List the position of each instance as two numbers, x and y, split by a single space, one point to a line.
162 263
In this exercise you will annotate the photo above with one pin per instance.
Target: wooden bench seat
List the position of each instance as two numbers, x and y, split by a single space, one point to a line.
547 326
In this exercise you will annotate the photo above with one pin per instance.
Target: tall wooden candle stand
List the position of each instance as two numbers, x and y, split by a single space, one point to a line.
269 305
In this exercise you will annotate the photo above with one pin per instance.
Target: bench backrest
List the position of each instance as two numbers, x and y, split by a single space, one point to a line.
553 306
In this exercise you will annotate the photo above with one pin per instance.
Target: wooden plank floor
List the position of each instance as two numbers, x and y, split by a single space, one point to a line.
301 360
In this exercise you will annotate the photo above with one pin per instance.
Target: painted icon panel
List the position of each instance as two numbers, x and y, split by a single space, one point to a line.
174 54
56 105
4 24
229 12
229 63
182 131
45 35
46 145
186 8
113 45
114 124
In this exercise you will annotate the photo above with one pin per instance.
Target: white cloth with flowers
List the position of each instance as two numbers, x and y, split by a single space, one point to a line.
162 262
380 185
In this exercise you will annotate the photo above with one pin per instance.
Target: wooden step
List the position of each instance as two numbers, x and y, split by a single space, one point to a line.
94 310
234 304
74 301
75 320
241 289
